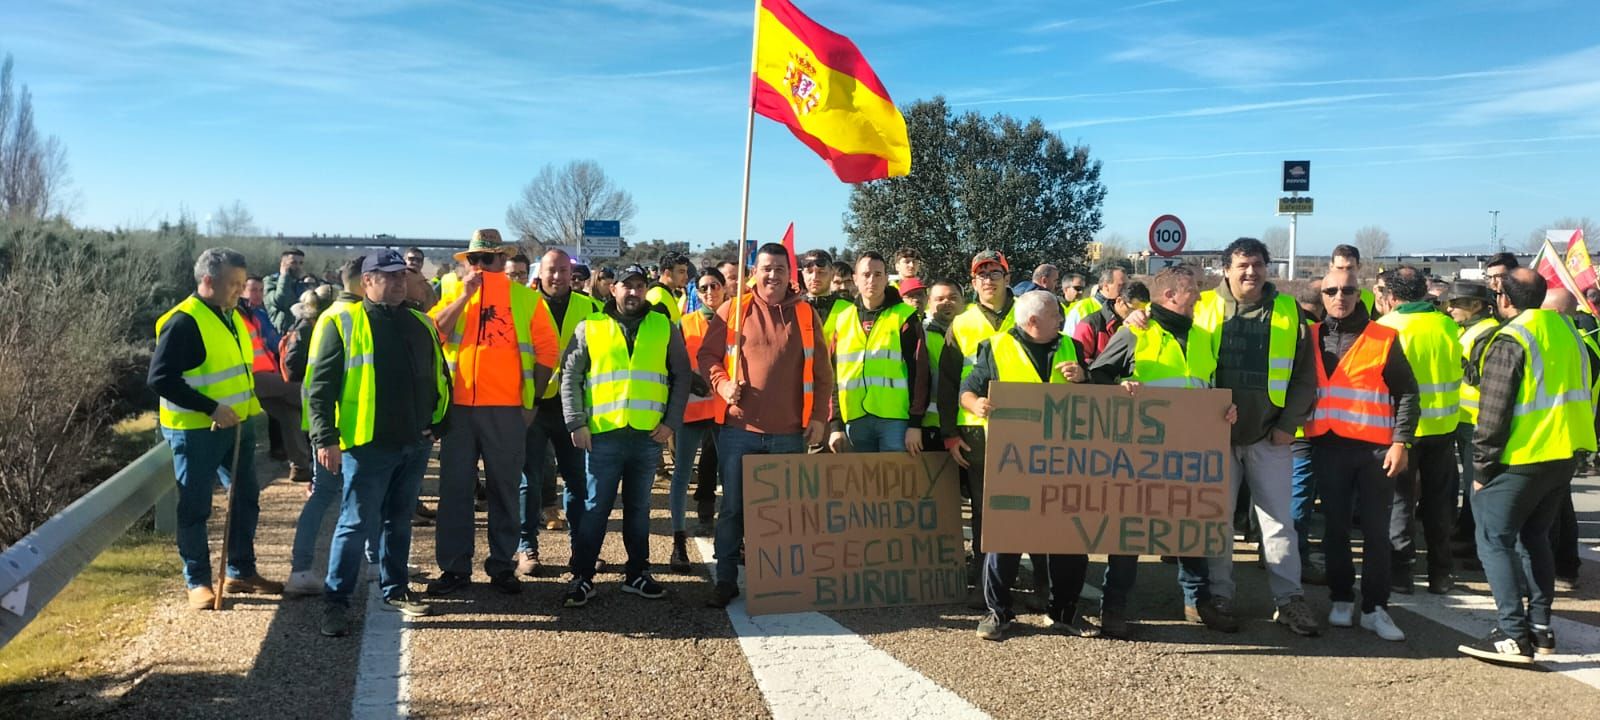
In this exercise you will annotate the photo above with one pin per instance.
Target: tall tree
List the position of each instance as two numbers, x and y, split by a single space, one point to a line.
1591 232
33 168
1372 241
1276 238
233 221
981 183
555 203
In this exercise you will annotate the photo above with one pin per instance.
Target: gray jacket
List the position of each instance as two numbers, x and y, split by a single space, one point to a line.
575 371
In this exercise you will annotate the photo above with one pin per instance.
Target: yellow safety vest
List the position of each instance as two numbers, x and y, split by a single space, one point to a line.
579 306
356 413
1079 309
969 329
525 301
870 369
224 375
1281 344
1012 363
1160 361
839 304
1469 392
659 295
623 390
935 341
1554 416
1430 341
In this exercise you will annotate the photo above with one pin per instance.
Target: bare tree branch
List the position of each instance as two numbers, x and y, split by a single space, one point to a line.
1373 241
553 206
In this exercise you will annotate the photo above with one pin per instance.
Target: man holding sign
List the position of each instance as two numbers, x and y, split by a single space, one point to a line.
1168 352
1032 352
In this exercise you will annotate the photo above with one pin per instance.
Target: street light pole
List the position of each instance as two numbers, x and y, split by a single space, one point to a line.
1494 230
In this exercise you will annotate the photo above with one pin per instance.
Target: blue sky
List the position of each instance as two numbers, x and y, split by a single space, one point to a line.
424 119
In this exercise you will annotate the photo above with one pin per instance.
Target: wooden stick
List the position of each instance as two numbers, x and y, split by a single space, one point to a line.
227 518
744 202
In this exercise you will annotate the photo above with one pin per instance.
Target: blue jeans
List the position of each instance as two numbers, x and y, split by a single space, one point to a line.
199 459
1066 573
1302 496
1194 578
538 488
870 433
1514 512
688 444
325 491
625 457
380 495
732 445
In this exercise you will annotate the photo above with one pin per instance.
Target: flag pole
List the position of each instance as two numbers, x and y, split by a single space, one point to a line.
737 312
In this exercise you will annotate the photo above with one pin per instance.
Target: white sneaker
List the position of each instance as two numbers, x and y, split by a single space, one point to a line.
1379 622
1343 614
303 582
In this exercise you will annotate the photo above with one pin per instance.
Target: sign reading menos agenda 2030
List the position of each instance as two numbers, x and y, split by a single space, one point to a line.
1092 469
855 530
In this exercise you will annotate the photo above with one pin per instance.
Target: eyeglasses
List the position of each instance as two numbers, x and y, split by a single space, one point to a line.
708 287
1079 288
992 275
1345 290
481 258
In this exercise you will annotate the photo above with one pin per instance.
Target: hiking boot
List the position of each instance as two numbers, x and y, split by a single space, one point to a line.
1297 616
335 620
528 563
1441 584
506 582
202 598
679 562
1070 622
407 603
253 585
1379 622
448 583
1213 614
552 519
299 473
644 586
1113 623
1544 640
303 582
722 595
579 592
993 627
1498 647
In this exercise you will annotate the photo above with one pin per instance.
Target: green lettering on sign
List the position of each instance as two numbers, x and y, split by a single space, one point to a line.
1009 502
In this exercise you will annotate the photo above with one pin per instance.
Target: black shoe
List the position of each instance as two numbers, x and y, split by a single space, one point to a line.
507 583
722 595
1313 574
1544 640
335 620
579 593
707 511
1441 584
1499 647
407 603
644 586
679 562
448 583
1400 582
1113 623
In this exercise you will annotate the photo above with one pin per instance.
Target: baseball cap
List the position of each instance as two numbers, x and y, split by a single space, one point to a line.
631 272
990 256
580 272
383 261
911 285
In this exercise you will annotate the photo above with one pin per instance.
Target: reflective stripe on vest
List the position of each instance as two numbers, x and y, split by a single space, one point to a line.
1554 415
1355 402
1284 336
626 390
1469 392
579 306
1160 361
1431 344
224 375
869 369
524 303
1013 364
935 342
699 407
969 329
805 318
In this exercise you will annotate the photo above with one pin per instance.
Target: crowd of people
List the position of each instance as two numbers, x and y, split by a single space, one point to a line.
1463 410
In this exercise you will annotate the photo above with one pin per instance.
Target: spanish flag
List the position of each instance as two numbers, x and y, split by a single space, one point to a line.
817 83
1578 261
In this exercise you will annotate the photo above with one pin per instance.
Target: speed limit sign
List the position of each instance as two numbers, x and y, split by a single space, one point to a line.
1167 236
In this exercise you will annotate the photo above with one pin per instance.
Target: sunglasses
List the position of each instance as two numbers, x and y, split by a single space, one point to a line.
1346 290
708 287
481 258
1079 288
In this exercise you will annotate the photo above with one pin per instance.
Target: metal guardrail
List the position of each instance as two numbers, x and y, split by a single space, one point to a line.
35 569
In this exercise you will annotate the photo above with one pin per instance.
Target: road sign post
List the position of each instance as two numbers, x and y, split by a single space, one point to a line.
1296 179
603 238
1168 236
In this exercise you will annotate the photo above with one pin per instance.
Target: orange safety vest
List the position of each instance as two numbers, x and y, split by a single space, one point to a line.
1355 402
808 344
263 361
699 408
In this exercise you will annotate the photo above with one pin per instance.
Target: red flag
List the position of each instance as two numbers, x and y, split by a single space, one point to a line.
1578 261
794 265
1548 264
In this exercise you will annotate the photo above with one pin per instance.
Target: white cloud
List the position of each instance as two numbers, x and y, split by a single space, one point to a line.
1221 58
1220 110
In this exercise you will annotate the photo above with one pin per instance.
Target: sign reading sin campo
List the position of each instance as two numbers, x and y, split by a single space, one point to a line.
1092 469
856 530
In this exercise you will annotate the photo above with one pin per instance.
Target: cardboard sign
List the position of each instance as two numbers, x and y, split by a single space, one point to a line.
1093 469
856 530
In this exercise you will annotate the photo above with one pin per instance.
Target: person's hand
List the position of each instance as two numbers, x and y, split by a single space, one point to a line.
816 432
223 417
1138 319
837 442
956 451
1394 461
581 439
661 433
1072 371
472 281
527 417
1132 386
981 408
1277 436
913 441
328 457
730 393
1232 416
1476 486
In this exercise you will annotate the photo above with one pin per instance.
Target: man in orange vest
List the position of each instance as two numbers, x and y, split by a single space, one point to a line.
501 348
699 418
1360 431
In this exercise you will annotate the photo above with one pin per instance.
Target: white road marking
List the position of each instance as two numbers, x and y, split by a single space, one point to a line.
1578 644
383 685
808 665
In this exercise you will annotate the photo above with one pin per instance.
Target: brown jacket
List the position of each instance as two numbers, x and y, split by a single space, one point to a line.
770 363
